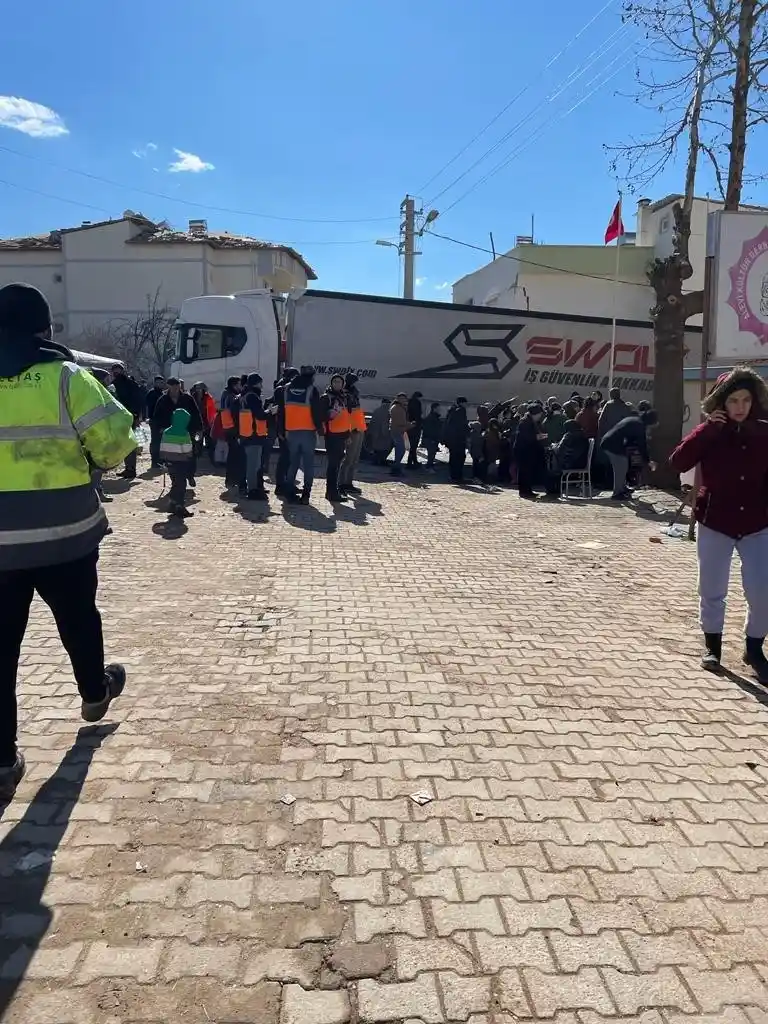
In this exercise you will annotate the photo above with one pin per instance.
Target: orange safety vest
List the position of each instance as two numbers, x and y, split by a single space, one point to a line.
298 409
358 419
246 422
341 424
227 420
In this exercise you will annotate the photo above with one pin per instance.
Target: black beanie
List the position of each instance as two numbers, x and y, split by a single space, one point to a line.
23 308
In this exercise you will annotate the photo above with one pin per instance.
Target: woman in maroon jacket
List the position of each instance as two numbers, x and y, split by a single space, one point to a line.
731 448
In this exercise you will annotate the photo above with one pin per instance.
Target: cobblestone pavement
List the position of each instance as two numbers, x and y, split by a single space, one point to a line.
595 841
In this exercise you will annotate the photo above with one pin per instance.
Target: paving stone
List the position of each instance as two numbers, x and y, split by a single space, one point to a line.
378 1002
360 960
301 1007
592 848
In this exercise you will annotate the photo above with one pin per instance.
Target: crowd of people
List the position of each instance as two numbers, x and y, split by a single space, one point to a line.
512 443
243 431
530 444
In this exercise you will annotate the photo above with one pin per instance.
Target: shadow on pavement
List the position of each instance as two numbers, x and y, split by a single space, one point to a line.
171 529
26 859
307 517
253 511
118 486
750 686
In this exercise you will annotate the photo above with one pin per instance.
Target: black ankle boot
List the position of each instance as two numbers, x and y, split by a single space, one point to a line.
755 657
714 645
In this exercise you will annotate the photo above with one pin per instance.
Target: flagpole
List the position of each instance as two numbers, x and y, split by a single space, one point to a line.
615 290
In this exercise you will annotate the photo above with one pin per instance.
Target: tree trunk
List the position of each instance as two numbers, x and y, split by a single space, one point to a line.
669 317
738 143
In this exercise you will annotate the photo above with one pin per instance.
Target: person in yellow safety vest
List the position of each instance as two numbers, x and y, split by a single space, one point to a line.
338 424
56 423
301 421
357 427
253 428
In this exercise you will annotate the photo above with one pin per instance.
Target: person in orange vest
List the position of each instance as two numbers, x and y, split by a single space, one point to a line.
229 407
301 420
278 411
253 429
357 427
338 424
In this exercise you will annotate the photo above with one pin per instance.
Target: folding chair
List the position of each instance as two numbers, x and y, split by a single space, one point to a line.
579 478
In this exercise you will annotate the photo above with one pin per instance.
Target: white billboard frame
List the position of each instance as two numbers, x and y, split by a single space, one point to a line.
738 327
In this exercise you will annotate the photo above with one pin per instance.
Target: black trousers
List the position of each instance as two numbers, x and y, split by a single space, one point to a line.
457 455
414 436
69 590
179 473
335 446
235 471
156 436
283 461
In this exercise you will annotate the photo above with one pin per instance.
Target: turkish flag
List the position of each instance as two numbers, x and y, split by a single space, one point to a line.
616 225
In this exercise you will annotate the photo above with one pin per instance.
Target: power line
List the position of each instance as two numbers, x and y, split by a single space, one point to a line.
189 202
533 263
556 118
602 50
102 209
519 95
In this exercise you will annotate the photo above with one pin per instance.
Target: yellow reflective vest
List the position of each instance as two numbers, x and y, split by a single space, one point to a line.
54 418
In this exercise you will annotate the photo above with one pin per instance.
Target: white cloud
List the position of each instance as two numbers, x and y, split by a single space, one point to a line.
143 151
420 281
30 118
188 162
442 287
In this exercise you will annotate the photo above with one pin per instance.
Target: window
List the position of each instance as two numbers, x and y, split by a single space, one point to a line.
202 341
664 225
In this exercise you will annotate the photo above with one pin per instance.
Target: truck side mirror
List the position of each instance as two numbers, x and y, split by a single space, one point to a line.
190 344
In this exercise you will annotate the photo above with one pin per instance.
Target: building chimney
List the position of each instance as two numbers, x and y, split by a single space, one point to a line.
643 203
198 228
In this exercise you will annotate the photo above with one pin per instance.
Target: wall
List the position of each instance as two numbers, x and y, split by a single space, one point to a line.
39 269
486 285
562 293
562 282
110 281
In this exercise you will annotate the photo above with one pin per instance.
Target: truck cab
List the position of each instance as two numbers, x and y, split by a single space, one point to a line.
221 336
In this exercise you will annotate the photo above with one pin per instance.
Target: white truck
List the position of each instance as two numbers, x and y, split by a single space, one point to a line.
442 350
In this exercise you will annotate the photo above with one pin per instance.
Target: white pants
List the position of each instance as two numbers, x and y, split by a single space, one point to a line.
715 552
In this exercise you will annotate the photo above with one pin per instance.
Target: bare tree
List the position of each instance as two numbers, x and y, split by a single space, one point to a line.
144 343
712 53
148 338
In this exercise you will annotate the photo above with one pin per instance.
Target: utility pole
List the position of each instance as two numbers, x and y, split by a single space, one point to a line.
407 244
409 234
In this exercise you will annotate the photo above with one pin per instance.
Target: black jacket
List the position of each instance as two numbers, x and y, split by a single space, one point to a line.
414 410
629 433
164 410
456 427
432 427
129 394
526 439
573 449
150 401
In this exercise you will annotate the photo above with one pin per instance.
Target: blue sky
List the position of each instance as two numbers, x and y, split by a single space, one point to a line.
320 112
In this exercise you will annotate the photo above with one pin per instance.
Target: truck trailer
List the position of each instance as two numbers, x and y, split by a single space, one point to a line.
443 350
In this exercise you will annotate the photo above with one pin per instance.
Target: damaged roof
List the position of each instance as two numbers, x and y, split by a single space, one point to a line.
160 235
156 234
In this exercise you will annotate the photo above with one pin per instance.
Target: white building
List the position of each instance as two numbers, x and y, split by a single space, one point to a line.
102 275
579 279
